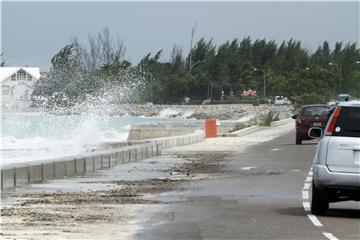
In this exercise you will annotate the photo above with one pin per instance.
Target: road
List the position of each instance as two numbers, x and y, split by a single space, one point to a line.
248 187
257 195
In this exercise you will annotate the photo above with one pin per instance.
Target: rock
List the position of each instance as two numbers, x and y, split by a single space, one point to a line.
221 111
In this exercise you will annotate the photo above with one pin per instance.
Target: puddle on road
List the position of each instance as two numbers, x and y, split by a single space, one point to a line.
260 172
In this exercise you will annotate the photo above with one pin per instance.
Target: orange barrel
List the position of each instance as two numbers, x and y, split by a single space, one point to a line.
210 128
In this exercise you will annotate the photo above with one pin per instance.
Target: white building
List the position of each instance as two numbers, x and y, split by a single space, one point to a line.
17 85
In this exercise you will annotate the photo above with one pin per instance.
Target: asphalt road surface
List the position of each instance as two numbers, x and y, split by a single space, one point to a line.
257 195
250 187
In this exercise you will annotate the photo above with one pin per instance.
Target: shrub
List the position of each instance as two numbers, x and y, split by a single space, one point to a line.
270 117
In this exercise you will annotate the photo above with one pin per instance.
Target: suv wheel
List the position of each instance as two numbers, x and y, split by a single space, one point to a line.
298 139
319 201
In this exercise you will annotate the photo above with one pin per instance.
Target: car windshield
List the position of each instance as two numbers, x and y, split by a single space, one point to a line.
315 111
279 98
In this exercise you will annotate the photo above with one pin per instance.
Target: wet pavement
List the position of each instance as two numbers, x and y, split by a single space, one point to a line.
226 188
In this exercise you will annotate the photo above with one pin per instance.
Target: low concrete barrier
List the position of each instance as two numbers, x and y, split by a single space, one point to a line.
13 175
151 131
281 122
242 132
252 129
168 142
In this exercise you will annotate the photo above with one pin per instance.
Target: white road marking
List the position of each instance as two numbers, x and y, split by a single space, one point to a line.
306 206
275 149
314 220
295 170
247 168
306 186
330 236
305 195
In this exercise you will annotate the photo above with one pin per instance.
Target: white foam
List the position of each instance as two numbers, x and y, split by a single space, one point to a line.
168 112
73 139
188 114
172 113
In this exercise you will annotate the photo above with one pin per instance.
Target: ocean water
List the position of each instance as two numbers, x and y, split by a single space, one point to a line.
29 137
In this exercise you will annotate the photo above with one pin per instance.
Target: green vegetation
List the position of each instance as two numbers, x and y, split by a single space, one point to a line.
270 117
239 126
288 68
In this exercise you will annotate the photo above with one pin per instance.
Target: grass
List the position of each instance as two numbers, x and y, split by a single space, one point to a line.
239 126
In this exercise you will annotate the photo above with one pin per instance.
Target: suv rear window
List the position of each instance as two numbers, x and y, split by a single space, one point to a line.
343 98
348 124
315 111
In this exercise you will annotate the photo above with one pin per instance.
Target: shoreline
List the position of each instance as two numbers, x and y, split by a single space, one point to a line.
242 116
220 111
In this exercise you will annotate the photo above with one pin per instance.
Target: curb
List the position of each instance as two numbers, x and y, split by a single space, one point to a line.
242 132
281 122
248 130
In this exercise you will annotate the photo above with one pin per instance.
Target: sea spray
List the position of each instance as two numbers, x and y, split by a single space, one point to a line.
168 112
173 113
68 126
39 137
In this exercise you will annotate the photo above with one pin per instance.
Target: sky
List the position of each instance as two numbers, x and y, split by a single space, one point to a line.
33 32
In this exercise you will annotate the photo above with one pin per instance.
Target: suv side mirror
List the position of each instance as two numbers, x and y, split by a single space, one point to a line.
315 132
294 117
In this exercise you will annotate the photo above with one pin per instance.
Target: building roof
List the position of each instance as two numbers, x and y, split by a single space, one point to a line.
6 72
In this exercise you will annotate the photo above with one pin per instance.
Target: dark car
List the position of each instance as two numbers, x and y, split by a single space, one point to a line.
310 116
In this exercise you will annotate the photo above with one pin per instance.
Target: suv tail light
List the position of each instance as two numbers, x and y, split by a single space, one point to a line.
333 120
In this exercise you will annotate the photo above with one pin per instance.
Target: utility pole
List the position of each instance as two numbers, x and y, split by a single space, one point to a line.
264 84
191 45
151 92
264 78
339 68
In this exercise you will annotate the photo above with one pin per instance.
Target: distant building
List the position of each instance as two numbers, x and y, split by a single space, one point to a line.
17 85
249 93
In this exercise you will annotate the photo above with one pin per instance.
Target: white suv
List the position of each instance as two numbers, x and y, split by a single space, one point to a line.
337 159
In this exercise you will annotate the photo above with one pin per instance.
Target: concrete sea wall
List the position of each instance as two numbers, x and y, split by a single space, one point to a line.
16 175
150 131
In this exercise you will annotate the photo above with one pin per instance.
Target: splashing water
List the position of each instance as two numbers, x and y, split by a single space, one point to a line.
172 113
74 128
29 137
65 128
123 88
168 112
36 136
